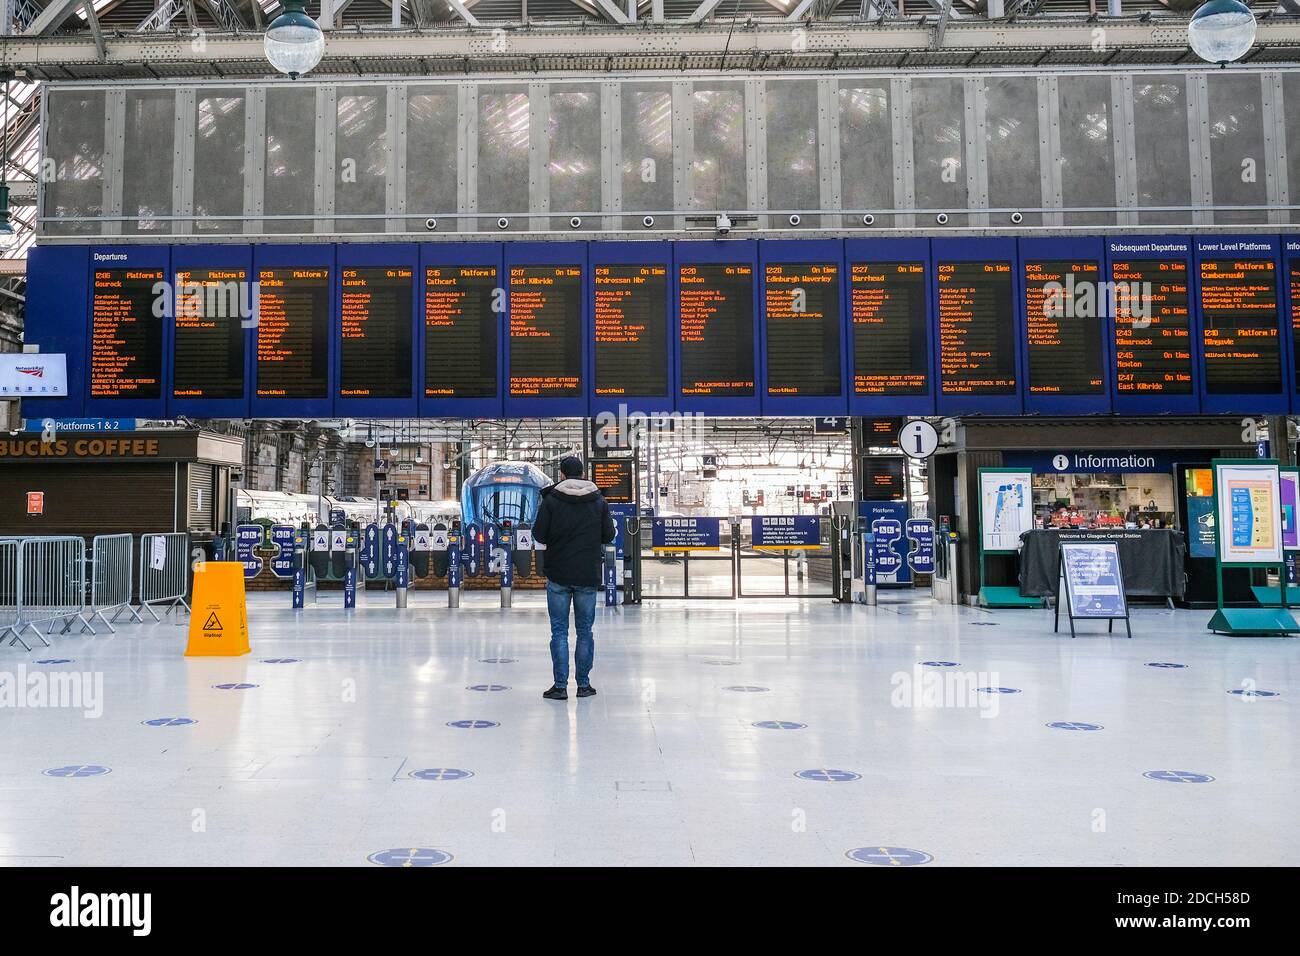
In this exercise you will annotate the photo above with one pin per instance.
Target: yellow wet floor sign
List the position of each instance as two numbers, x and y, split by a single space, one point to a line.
219 620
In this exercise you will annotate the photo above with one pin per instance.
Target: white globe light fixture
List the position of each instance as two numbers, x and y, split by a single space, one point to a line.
1221 31
294 42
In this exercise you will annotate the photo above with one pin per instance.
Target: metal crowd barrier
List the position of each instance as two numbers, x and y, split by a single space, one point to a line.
164 571
48 584
110 588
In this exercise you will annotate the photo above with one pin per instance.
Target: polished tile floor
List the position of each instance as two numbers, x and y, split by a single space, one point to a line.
371 738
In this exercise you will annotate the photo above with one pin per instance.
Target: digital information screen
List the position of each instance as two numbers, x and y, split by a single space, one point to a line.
977 338
715 303
1063 330
802 304
208 349
293 333
891 341
376 332
1239 327
884 479
881 432
1294 278
545 331
1152 331
460 332
126 337
631 329
614 479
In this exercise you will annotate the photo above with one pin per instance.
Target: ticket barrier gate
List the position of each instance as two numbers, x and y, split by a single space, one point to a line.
944 584
325 554
853 566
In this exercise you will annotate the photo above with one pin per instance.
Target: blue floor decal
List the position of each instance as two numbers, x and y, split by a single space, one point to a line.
778 725
442 773
939 664
488 688
1243 692
1169 664
281 660
1178 776
498 660
998 690
414 856
77 770
169 721
233 686
889 856
828 776
747 689
1073 725
55 660
472 724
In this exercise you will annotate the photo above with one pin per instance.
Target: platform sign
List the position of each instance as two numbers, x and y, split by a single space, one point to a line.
920 532
282 538
885 557
1006 509
1090 584
685 534
1248 500
248 537
621 514
786 532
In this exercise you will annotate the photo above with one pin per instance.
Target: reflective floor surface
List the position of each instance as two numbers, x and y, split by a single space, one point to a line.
724 733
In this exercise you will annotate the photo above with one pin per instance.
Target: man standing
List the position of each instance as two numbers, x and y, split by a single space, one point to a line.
574 523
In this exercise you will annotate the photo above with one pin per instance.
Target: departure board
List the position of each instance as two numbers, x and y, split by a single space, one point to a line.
631 313
460 332
293 332
208 348
614 479
545 331
802 305
881 432
1239 324
1063 327
375 336
891 342
1152 331
884 478
126 334
1294 269
715 303
977 338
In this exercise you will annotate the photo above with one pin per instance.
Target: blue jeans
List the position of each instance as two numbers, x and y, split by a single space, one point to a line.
558 597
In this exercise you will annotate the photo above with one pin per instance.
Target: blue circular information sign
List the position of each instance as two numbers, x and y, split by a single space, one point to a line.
169 721
826 775
1244 692
779 725
233 686
472 724
1073 725
412 856
998 690
489 688
747 689
442 773
77 770
939 664
889 856
1178 776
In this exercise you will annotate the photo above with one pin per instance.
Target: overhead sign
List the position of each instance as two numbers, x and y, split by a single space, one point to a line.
1074 462
786 532
830 426
1248 499
38 375
686 534
57 425
1006 508
918 439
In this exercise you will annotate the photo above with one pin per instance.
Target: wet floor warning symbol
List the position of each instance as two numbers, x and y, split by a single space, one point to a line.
218 602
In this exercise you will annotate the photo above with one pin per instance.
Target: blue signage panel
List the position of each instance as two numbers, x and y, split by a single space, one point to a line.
920 532
1072 461
685 534
248 537
786 532
80 424
620 514
886 520
1094 587
1290 284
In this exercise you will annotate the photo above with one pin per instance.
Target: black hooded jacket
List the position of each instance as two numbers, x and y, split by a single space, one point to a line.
574 523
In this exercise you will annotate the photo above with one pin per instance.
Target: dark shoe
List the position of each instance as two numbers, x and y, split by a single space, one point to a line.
587 691
558 693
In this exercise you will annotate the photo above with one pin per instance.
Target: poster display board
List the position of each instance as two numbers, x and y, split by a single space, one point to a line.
1091 585
1006 509
1248 500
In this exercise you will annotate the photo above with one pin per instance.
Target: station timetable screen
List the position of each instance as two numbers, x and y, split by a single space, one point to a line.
881 432
545 331
884 478
614 479
716 310
460 332
1152 331
375 346
802 304
1294 278
891 342
1063 329
292 332
126 337
977 346
1239 326
208 348
631 317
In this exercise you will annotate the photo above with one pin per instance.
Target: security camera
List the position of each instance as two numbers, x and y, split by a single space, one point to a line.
722 222
868 219
503 223
575 223
431 224
1016 217
648 221
370 443
941 218
795 219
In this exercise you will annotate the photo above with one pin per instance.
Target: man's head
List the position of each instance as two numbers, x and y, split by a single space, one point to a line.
571 467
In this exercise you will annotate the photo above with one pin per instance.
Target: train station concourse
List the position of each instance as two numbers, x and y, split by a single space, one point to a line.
515 434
